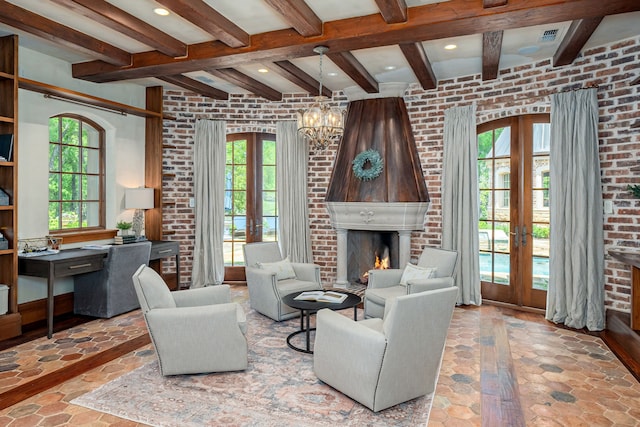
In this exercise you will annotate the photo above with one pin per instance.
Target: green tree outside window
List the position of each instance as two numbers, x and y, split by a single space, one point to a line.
76 173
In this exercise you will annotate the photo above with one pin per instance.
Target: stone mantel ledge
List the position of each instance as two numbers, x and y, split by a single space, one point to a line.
377 216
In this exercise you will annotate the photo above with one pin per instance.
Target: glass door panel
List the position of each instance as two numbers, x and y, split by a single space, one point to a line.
494 181
235 202
535 293
250 197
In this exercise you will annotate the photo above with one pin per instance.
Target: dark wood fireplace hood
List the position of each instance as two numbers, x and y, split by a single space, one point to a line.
381 124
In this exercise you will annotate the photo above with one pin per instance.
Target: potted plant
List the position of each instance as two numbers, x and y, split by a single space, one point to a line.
124 227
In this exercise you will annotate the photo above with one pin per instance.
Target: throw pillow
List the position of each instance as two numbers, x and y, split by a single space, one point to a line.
283 269
416 272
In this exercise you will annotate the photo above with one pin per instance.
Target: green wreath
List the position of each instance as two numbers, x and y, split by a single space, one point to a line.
372 172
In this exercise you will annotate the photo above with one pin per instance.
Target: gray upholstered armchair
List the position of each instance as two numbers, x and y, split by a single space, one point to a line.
381 363
193 331
109 292
269 278
385 284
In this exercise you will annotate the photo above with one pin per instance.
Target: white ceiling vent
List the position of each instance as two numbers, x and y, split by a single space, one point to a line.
549 35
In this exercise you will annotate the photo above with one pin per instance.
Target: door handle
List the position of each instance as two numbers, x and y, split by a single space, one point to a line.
515 238
524 235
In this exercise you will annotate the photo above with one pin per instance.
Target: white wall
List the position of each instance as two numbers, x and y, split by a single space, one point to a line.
124 152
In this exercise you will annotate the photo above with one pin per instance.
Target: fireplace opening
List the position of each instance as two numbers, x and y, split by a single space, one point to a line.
368 250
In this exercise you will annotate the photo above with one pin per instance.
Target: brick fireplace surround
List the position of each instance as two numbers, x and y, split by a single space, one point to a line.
518 90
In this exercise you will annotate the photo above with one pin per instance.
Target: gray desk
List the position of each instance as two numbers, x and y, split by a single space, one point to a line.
68 262
166 249
71 262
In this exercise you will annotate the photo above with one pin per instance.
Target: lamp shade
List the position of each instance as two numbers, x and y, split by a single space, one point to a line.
138 198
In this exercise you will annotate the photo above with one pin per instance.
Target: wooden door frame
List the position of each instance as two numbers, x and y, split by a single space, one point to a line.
253 230
520 213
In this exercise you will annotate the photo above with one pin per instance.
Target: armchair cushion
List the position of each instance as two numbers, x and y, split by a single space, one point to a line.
380 295
283 269
416 272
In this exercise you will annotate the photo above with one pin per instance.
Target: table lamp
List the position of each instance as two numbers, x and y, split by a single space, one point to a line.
138 199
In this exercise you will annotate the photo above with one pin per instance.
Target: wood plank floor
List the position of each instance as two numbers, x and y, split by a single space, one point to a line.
500 368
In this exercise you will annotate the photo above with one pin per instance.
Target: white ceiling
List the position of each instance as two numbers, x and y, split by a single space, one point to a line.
520 46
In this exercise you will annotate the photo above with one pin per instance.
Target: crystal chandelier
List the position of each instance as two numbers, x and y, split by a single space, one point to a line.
321 124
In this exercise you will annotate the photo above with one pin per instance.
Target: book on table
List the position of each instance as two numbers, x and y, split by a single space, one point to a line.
322 296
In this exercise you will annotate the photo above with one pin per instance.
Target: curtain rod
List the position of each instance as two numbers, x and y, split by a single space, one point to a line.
85 104
256 121
540 97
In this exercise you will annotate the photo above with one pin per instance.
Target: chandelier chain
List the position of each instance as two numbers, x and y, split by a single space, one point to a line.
320 76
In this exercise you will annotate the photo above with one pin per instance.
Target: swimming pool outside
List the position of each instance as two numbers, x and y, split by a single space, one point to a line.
501 270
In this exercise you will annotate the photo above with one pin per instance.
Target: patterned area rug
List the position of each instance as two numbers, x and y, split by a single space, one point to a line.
279 388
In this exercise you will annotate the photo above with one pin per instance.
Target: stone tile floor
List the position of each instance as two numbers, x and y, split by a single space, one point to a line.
558 377
28 361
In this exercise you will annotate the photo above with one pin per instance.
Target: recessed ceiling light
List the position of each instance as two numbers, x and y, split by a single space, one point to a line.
451 46
390 67
332 74
161 11
263 70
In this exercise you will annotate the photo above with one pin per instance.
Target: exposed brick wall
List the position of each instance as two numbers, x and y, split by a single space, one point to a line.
519 90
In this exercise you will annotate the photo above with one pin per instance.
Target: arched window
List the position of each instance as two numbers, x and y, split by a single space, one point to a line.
76 174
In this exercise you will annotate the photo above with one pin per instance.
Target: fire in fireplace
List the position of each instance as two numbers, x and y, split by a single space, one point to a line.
370 250
381 263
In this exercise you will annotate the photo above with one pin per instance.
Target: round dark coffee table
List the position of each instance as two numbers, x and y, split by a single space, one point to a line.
308 307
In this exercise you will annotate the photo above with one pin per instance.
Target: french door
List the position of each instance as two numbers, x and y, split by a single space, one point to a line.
513 183
250 206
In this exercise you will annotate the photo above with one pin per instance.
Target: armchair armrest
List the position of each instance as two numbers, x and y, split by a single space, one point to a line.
307 272
421 285
384 278
260 275
218 294
262 287
357 374
177 323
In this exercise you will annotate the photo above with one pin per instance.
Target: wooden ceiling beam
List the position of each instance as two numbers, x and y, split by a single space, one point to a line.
122 22
246 82
429 22
47 29
299 15
417 58
354 69
491 48
204 16
393 11
573 42
195 86
493 3
294 74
